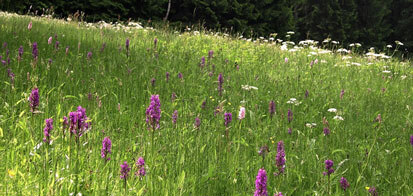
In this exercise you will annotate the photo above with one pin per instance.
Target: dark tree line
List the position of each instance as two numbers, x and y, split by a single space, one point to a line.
369 22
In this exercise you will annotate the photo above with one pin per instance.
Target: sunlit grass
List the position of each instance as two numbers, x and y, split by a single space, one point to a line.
115 89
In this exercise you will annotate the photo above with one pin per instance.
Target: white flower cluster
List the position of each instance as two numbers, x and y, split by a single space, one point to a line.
310 125
247 87
294 101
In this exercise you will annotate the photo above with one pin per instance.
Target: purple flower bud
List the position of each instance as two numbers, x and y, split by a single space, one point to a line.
180 76
290 130
271 108
78 122
153 113
261 183
35 51
341 93
73 116
124 170
11 75
127 44
326 131
20 54
329 167
378 118
227 118
220 82
344 183
65 122
280 158
197 123
49 41
202 64
34 99
140 163
217 110
210 54
373 191
306 93
47 129
411 140
56 45
89 55
263 151
290 116
173 97
203 105
278 194
167 76
153 80
106 148
155 42
174 116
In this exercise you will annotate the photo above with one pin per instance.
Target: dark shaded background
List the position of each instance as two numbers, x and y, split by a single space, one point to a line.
373 23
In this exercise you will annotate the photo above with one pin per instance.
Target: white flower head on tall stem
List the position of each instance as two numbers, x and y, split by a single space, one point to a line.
333 110
337 117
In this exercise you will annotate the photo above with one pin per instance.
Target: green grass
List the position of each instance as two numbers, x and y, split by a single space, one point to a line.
182 160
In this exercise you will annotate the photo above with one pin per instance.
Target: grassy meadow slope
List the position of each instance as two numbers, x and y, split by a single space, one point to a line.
370 128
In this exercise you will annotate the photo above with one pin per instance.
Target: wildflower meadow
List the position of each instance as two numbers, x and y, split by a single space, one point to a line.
120 109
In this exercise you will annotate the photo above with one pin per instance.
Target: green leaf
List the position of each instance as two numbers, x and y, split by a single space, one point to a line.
211 170
17 103
181 179
338 150
203 148
21 114
182 159
58 110
50 90
141 191
69 96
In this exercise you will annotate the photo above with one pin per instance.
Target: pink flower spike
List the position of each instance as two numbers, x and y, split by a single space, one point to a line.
241 114
30 26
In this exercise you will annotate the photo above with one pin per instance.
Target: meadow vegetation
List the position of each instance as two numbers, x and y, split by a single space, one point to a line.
197 113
